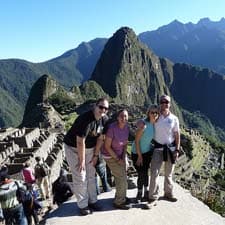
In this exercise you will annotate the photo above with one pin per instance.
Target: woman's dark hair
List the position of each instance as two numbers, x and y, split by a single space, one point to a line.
120 111
101 100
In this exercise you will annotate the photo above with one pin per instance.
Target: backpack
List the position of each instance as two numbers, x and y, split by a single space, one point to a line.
41 170
20 193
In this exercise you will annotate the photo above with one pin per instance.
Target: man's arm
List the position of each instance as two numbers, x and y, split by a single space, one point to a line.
98 147
81 152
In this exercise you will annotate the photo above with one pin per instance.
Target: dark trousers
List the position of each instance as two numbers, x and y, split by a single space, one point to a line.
142 171
101 171
16 215
32 213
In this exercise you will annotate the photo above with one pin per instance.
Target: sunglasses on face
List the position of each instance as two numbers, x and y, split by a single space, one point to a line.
164 102
154 113
102 107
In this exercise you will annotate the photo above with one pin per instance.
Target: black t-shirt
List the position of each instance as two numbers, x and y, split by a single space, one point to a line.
88 127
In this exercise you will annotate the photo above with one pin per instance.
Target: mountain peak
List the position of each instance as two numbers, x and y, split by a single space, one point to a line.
176 22
204 21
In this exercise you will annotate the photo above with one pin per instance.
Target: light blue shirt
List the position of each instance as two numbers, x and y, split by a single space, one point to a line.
146 138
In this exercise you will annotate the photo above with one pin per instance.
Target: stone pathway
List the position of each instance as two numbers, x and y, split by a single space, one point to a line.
186 211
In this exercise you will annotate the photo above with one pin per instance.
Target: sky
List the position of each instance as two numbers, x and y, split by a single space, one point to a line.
39 30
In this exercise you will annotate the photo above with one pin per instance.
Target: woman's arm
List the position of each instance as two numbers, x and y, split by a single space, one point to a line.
108 143
137 146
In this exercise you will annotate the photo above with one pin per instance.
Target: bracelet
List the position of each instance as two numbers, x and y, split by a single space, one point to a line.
96 156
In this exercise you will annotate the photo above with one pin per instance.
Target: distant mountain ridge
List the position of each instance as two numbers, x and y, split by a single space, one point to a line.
200 44
177 41
17 76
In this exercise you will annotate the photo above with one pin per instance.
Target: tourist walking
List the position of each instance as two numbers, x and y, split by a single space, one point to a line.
28 173
12 209
41 171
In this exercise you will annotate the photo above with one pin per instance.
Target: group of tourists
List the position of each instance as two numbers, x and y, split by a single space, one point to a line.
157 140
20 200
91 144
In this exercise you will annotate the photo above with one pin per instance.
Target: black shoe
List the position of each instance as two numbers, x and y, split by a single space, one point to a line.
145 197
122 206
146 206
85 211
170 198
128 200
152 202
95 206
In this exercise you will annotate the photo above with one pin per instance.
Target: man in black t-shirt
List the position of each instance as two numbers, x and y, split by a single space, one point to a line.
82 145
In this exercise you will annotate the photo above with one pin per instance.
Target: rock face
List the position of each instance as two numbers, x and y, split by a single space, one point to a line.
128 71
37 108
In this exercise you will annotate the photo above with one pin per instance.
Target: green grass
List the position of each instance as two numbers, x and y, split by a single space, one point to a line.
69 120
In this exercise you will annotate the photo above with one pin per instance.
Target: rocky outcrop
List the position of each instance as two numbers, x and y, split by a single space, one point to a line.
128 71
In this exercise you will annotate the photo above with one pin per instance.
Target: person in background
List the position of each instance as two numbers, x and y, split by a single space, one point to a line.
28 173
82 144
29 206
166 148
61 190
141 151
114 153
102 173
41 174
12 209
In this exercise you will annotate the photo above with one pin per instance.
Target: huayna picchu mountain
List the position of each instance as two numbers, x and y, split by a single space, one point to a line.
128 71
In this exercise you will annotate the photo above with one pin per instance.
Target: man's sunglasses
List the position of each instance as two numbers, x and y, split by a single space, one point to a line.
164 102
102 107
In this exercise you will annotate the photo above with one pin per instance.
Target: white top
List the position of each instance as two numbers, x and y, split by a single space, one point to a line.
165 127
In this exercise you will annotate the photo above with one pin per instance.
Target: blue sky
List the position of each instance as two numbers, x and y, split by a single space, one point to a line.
38 30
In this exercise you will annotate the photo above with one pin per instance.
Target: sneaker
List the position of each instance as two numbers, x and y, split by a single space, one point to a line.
170 198
85 211
95 206
122 206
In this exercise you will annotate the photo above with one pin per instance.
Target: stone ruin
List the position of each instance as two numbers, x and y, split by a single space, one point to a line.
18 146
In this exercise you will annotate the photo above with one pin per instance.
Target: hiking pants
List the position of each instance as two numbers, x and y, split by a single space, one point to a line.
43 184
156 163
120 176
83 182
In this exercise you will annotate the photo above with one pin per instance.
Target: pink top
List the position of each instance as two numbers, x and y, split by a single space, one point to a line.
28 175
119 139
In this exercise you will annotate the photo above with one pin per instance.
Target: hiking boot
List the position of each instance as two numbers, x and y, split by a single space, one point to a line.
95 206
85 211
170 198
145 197
123 206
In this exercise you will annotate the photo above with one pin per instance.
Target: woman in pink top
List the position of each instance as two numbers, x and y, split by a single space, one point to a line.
28 173
114 152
